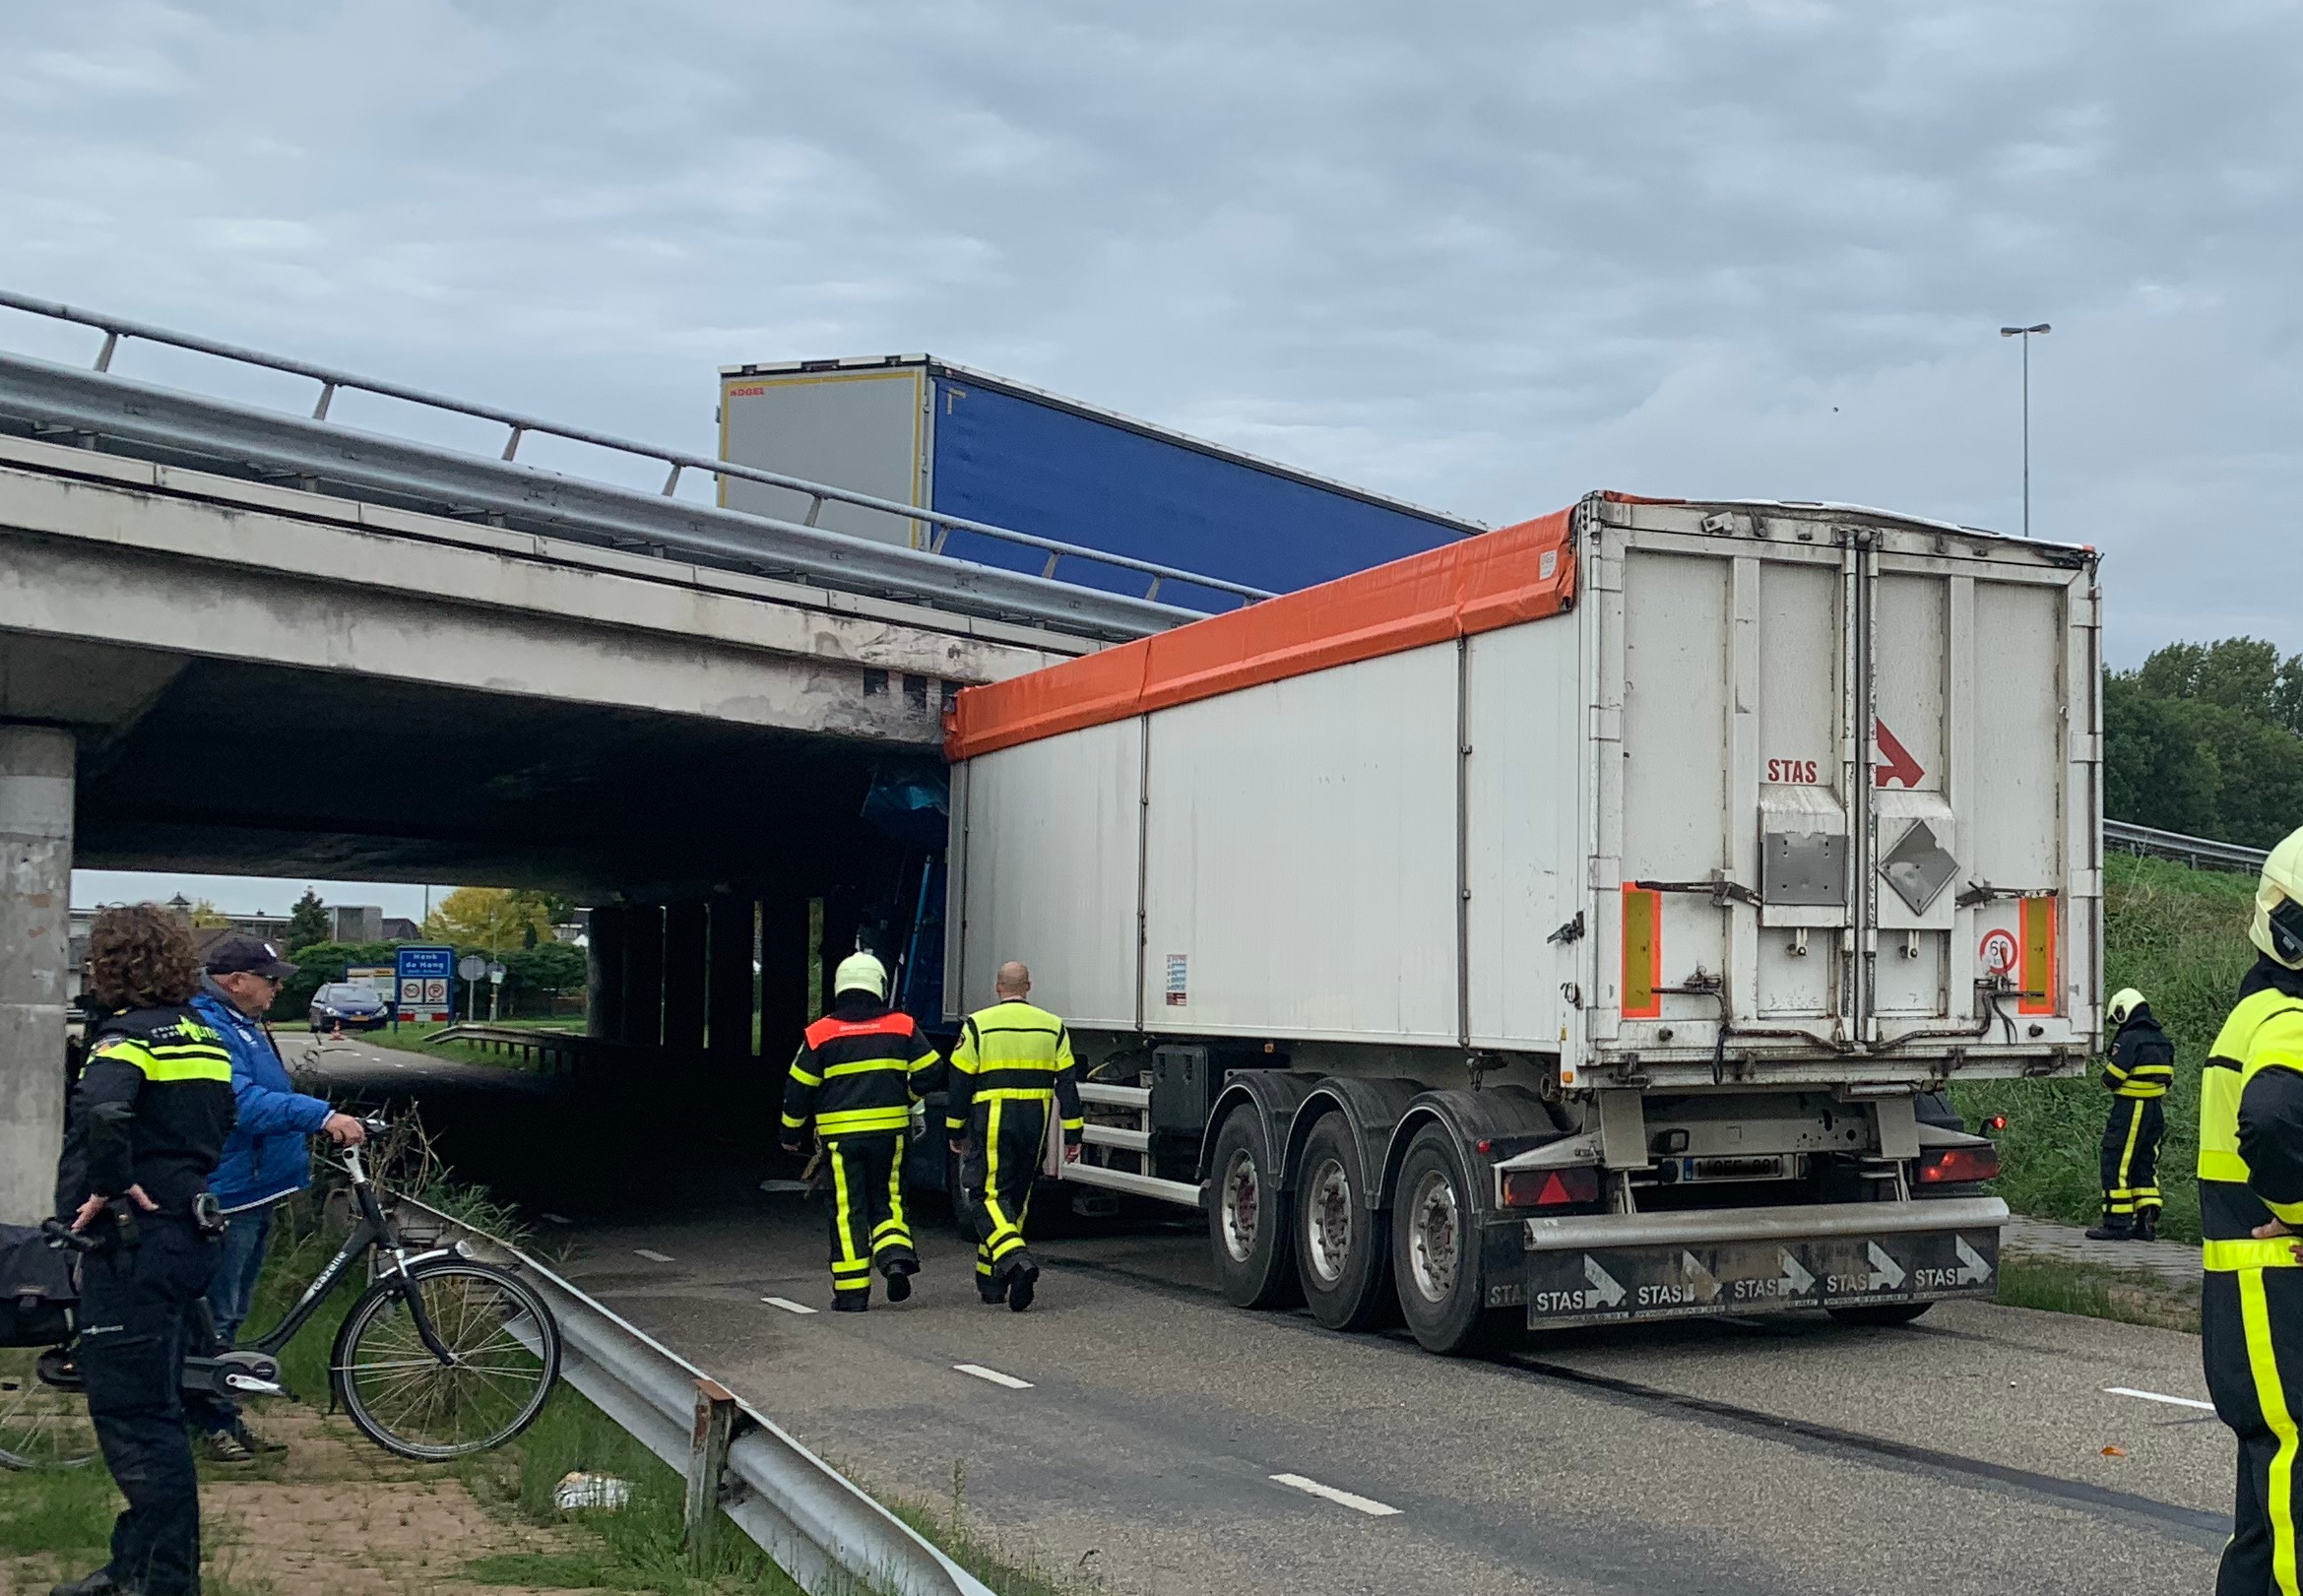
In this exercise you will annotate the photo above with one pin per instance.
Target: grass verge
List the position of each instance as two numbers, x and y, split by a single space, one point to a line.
2060 1285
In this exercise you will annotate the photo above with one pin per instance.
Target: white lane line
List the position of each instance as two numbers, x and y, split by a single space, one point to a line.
2154 1396
994 1376
651 1256
787 1304
1358 1505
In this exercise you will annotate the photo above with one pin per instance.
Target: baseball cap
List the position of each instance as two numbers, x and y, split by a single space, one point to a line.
233 954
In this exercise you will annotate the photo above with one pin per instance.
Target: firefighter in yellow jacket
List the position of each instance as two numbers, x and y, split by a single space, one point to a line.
2251 1208
858 1076
1011 1072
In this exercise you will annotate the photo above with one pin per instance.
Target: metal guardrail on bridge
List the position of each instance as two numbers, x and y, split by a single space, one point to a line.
327 455
2201 852
822 1528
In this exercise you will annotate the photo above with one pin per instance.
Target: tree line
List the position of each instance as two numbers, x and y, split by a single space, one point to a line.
2207 739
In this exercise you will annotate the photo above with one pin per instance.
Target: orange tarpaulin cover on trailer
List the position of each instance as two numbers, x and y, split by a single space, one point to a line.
1493 580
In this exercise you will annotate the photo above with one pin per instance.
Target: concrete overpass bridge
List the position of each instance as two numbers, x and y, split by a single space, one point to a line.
234 640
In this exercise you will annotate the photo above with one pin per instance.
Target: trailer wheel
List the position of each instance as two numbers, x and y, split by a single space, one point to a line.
1343 1256
1248 1218
1436 1251
1880 1314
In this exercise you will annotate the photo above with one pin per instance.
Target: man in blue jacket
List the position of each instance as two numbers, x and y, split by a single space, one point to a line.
266 1160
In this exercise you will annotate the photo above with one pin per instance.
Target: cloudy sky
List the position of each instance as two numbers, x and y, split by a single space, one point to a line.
1485 256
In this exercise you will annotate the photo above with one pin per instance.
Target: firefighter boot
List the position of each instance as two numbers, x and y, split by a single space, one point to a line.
2115 1227
2146 1225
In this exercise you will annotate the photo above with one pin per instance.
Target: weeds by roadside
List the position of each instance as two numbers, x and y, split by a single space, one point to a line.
2060 1285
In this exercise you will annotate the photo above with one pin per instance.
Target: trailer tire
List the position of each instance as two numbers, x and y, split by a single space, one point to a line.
1248 1218
1879 1314
1342 1246
1435 1252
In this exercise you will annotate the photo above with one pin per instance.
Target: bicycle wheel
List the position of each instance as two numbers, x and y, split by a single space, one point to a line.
41 1426
505 1349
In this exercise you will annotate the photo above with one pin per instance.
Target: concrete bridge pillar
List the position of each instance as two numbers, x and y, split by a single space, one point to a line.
642 1020
784 989
36 769
735 933
607 933
686 934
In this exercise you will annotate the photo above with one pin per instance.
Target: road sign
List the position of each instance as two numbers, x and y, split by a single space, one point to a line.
495 974
420 975
471 967
1997 951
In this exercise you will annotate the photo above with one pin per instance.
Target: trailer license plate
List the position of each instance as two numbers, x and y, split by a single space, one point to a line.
1600 1284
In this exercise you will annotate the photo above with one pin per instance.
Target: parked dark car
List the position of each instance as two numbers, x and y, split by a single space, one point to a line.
355 1008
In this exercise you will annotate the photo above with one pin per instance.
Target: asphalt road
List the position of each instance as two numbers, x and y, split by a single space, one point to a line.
1134 1426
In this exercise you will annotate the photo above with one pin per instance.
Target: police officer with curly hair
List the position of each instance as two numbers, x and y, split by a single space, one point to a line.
148 1123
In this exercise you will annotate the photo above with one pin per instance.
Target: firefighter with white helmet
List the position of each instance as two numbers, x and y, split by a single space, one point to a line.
2250 1208
859 1072
2137 1067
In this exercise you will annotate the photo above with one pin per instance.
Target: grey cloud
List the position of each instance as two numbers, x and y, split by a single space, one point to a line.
1484 256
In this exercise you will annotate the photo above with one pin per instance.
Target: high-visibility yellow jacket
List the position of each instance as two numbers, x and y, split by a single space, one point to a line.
2251 1123
859 1073
1012 1050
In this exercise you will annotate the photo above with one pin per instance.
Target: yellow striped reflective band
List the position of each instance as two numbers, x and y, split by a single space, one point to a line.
2217 1165
852 1122
2289 1214
2272 1396
174 1063
2276 1252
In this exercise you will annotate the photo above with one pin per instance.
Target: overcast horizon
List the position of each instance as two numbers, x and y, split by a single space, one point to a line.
1484 259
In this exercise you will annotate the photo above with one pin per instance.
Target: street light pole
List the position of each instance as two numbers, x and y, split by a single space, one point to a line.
2025 333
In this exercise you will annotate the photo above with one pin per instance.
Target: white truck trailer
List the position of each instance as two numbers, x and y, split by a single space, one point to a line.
1574 924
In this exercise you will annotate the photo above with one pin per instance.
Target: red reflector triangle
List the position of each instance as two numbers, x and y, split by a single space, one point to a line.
1553 1190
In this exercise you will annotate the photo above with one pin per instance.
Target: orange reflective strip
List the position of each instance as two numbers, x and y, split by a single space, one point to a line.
2036 969
1642 953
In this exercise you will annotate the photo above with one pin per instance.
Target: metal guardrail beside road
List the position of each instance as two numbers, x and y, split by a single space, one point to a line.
822 1528
2201 852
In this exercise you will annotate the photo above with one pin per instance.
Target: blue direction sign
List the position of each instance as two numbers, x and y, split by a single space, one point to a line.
424 977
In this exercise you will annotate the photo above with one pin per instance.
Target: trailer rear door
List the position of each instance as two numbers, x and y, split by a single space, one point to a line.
1844 790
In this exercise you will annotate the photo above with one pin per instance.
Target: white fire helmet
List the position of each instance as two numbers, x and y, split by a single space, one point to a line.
860 972
2279 903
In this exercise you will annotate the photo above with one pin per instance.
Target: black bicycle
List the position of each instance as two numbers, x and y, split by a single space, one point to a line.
441 1355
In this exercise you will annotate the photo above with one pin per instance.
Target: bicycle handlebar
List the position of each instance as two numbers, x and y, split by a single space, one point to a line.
60 1233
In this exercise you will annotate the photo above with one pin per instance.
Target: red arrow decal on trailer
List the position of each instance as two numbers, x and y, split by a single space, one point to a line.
1899 766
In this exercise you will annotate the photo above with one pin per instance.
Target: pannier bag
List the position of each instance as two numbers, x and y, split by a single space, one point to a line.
37 1288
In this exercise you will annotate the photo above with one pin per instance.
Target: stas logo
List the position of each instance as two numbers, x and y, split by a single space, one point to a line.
1793 769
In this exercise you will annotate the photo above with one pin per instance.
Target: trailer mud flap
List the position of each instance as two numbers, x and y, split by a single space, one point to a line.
1604 1285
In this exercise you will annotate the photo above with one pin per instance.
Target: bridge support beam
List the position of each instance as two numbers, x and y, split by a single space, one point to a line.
686 934
734 934
604 972
37 771
784 988
643 977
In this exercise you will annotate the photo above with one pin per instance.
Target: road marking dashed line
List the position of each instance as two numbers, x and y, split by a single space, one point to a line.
1358 1504
787 1304
994 1376
2154 1396
651 1256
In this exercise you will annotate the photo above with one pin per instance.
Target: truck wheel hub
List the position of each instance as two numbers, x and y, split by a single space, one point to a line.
1240 1205
1328 1236
1433 1241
